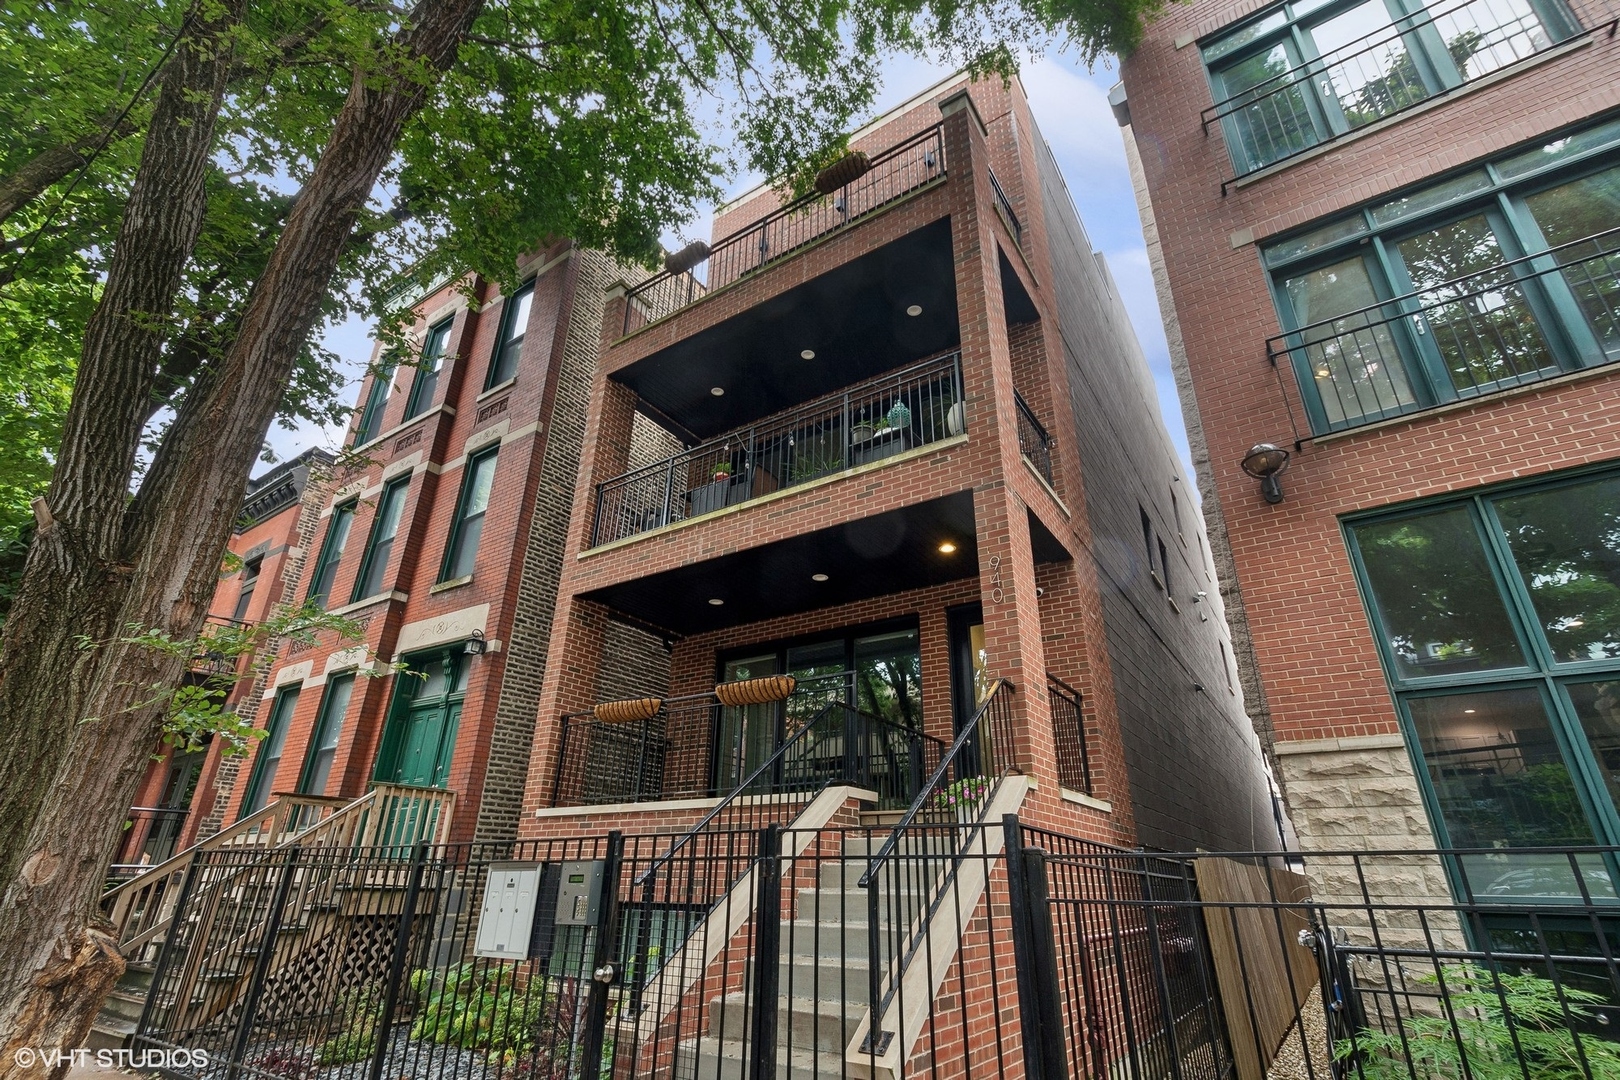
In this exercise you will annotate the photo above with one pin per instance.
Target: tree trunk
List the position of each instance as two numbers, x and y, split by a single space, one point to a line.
63 693
24 184
175 533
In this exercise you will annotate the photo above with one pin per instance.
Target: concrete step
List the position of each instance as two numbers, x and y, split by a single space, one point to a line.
137 976
831 977
718 1060
931 841
802 1023
806 937
124 1005
109 1034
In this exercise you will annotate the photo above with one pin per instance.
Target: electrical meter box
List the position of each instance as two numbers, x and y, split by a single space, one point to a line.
506 922
579 893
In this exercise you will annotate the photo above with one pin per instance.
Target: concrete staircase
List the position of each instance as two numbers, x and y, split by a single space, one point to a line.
823 972
122 1009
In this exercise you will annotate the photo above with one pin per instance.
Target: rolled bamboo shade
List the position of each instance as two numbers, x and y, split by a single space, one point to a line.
756 691
627 711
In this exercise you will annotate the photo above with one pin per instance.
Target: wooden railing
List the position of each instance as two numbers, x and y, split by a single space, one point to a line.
389 815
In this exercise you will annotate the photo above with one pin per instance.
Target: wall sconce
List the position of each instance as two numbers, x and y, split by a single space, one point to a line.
474 645
1265 462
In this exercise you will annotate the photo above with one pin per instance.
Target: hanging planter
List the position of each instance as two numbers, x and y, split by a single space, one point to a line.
846 170
627 711
756 691
899 415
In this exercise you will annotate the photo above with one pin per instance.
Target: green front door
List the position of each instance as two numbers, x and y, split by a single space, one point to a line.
421 736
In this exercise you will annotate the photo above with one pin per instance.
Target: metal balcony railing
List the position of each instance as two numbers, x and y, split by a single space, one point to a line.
1483 330
1373 77
1033 441
895 172
879 418
1008 214
1069 732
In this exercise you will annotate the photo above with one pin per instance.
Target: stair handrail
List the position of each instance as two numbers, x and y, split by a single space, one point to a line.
995 700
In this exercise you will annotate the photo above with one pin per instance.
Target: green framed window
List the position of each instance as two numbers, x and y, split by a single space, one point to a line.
426 384
328 729
326 564
1498 276
461 553
380 544
503 364
268 759
1498 623
1306 72
249 583
371 417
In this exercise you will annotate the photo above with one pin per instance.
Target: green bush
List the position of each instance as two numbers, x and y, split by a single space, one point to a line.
358 1012
487 1009
1485 1034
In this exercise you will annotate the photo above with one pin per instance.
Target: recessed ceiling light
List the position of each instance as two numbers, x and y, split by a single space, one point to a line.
715 601
914 310
1470 711
717 391
818 577
947 548
807 354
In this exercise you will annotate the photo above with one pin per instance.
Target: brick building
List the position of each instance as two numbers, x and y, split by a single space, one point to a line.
182 794
1385 239
899 442
441 534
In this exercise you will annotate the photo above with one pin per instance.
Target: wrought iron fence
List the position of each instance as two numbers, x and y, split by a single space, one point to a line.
1005 206
895 172
1069 732
1033 441
1372 77
1482 331
910 407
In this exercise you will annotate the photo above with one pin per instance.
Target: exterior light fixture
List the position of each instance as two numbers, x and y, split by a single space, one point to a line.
475 644
947 548
718 391
1265 462
1470 711
715 601
818 577
807 354
914 310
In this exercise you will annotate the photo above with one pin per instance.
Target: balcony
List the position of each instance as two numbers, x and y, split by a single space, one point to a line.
896 172
1277 109
1517 322
862 424
1033 441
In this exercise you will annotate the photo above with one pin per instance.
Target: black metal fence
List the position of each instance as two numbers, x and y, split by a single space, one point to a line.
895 172
1033 441
869 421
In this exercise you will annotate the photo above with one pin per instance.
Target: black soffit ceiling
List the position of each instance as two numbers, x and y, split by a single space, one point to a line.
852 317
874 556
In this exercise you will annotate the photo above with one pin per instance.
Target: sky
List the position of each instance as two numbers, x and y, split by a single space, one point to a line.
1070 105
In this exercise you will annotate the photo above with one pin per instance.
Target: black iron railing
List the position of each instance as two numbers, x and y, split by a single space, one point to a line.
1005 206
1481 329
911 874
1033 441
895 172
867 422
1069 732
1373 77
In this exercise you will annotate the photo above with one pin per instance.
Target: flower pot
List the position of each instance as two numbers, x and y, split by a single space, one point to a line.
860 433
956 419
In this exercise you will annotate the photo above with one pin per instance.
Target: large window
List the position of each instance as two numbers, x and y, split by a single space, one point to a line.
326 566
380 544
268 759
509 350
1498 619
1502 275
244 593
426 384
1306 72
328 728
462 551
371 417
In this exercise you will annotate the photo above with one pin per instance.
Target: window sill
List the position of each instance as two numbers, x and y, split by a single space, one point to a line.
448 410
498 388
1320 149
1100 805
370 601
453 583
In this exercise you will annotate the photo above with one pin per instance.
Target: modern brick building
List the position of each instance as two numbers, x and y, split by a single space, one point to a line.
1387 239
182 796
441 533
897 443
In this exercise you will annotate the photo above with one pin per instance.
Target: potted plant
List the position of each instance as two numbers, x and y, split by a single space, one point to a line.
722 471
963 797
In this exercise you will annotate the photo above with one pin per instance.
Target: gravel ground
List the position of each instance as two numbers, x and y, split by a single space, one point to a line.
1290 1063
